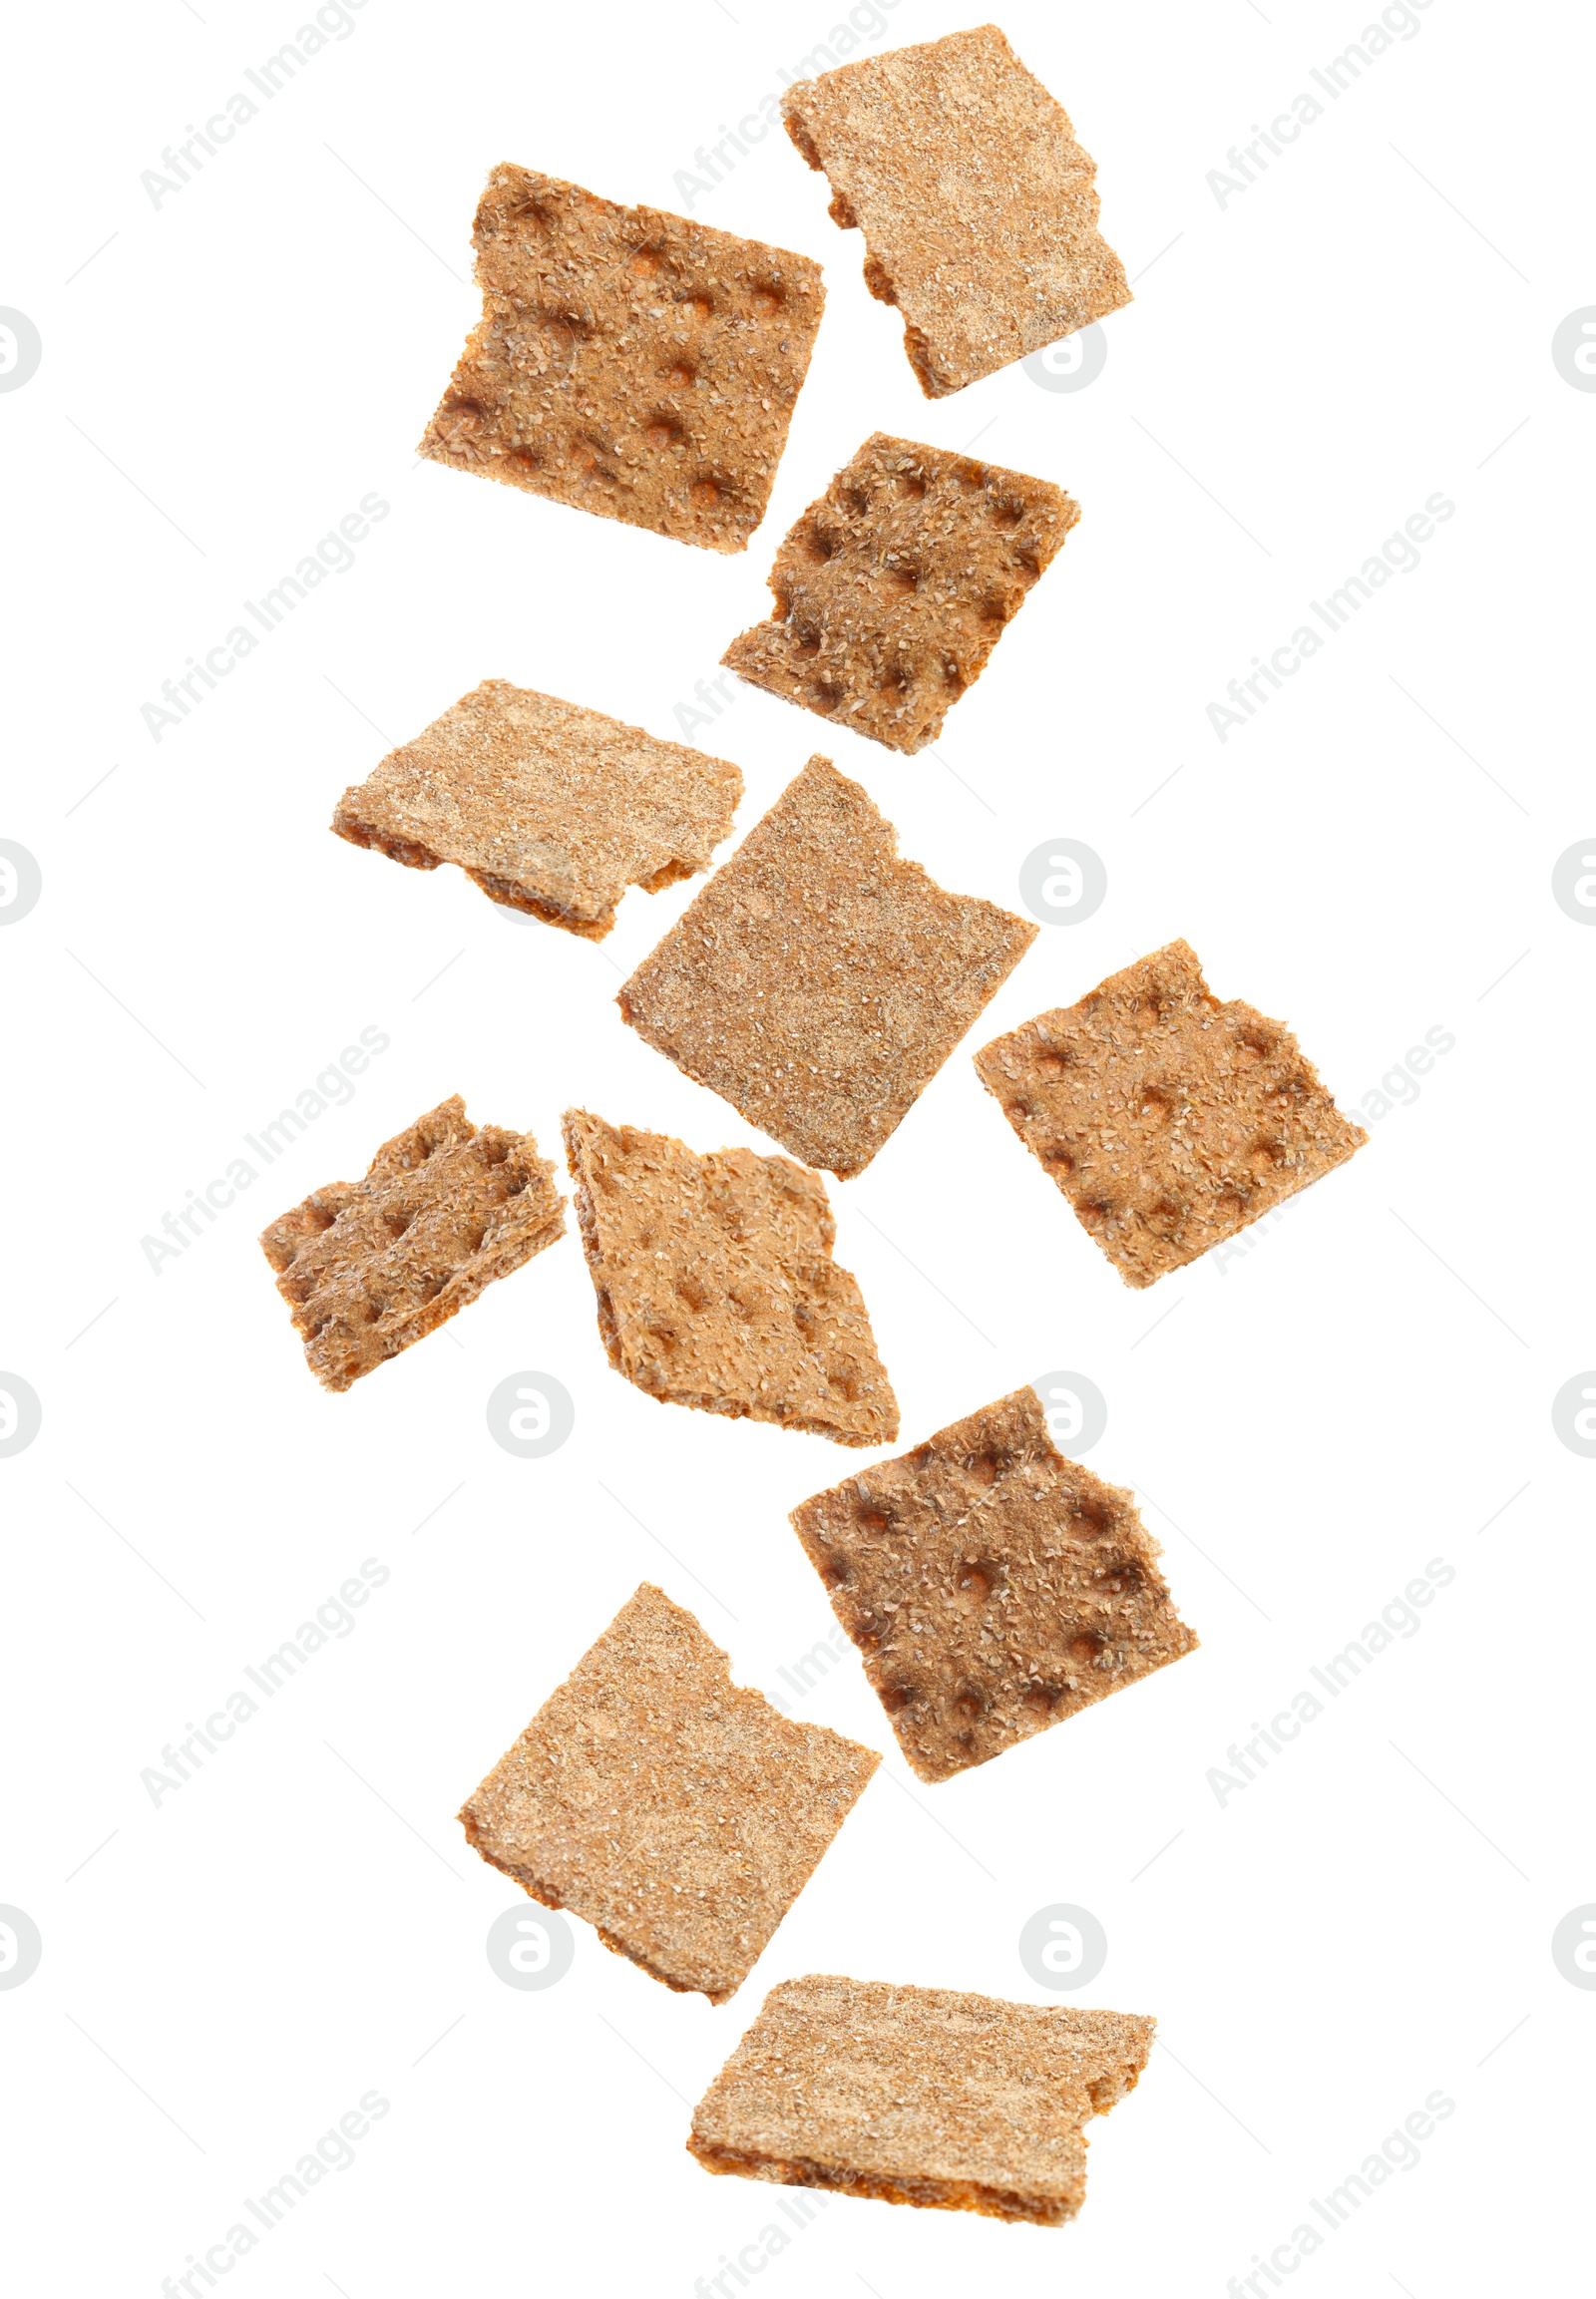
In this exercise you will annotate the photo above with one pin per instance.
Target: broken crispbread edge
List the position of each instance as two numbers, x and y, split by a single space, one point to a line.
926 2195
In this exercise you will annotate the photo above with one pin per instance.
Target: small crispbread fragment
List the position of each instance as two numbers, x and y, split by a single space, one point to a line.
627 361
675 1811
992 1587
818 981
977 206
716 1286
1168 1120
893 588
370 1267
550 808
922 2096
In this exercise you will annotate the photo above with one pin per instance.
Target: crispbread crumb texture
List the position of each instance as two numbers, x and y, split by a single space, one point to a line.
673 1809
627 361
920 2095
819 982
892 589
369 1267
992 1587
550 808
716 1286
978 205
1168 1120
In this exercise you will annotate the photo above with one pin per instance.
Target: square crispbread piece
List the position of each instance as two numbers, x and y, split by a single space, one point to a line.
370 1267
818 982
892 589
1168 1120
675 1811
627 361
716 1286
920 2095
978 205
549 808
992 1587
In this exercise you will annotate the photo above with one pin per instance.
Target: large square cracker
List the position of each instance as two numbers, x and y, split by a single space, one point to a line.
920 2095
818 982
627 361
446 1207
1168 1120
992 1587
978 205
549 808
675 1811
892 589
716 1286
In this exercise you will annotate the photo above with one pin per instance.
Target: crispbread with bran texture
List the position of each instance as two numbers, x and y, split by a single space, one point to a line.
716 1286
370 1267
1168 1120
549 808
920 2095
674 1810
994 1587
627 361
977 206
893 588
819 982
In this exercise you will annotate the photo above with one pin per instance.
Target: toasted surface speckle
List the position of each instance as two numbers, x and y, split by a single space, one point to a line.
819 982
1168 1120
992 1587
977 206
716 1286
370 1267
920 2095
548 807
670 1808
892 589
627 361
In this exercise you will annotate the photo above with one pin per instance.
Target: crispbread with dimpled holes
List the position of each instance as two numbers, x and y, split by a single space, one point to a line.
992 1587
673 1809
1168 1120
627 361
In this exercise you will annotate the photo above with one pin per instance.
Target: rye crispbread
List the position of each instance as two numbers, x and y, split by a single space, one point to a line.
1168 1120
893 586
548 807
627 361
818 981
370 1267
977 206
921 2096
716 1286
675 1811
992 1587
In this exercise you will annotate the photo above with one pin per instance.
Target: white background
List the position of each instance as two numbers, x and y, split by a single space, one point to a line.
1366 1389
